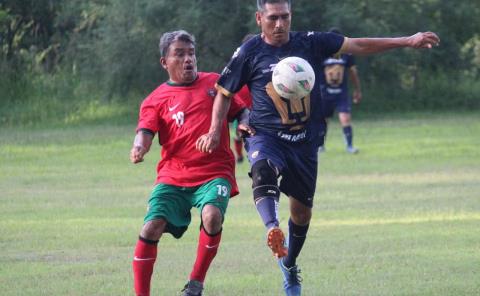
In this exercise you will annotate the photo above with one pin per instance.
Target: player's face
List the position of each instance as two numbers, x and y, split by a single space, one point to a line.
275 22
180 62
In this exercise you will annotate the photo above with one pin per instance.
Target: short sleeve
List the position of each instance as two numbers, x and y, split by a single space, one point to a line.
148 116
327 44
235 74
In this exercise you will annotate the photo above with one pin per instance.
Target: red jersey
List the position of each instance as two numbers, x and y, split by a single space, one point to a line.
245 96
180 114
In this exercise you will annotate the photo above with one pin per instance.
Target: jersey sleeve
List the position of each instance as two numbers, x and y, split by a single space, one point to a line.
235 74
148 116
327 44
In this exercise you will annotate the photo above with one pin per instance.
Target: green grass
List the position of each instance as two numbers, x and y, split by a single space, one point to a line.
400 218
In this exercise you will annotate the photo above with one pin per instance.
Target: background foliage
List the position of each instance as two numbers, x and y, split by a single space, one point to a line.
72 60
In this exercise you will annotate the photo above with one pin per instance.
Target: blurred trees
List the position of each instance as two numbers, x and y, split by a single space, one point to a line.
105 49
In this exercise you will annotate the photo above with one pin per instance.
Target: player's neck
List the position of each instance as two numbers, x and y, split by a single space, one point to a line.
276 43
175 83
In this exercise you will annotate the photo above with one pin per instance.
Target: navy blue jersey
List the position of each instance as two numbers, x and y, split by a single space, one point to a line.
252 64
335 79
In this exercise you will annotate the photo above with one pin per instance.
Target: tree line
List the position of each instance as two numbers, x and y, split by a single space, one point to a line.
63 52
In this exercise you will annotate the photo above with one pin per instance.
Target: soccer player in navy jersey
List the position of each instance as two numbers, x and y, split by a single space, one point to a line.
179 111
335 97
285 134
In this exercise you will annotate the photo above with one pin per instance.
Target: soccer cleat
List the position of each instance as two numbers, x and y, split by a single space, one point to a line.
352 150
276 242
193 288
291 280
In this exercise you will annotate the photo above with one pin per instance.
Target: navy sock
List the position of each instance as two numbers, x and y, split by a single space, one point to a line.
266 207
296 237
348 133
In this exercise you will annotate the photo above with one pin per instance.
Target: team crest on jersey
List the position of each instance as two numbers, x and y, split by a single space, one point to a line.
211 92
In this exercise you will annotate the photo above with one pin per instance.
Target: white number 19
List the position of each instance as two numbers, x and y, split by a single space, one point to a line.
222 190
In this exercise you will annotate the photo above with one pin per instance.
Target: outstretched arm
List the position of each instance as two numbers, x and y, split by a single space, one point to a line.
141 145
365 46
210 141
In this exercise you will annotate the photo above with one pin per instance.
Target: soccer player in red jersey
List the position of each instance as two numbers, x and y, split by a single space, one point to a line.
179 111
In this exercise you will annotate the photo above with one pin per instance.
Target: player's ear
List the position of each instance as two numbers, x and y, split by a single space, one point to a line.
258 18
163 62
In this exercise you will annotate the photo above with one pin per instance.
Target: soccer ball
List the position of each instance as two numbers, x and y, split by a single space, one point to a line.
293 78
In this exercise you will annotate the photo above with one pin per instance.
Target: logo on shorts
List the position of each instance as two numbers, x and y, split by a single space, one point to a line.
255 154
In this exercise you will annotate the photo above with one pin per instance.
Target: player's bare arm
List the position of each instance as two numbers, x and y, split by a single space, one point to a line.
357 91
141 145
365 46
209 142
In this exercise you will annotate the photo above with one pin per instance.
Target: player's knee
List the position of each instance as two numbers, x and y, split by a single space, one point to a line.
264 180
300 214
212 219
153 229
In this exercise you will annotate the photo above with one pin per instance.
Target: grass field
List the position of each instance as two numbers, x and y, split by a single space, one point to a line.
400 218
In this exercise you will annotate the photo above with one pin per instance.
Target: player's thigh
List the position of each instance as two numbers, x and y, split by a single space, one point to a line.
172 204
343 104
214 193
299 177
261 147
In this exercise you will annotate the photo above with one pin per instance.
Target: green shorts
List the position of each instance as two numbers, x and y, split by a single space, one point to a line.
235 124
173 203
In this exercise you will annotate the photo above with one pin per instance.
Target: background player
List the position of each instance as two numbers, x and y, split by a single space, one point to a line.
288 132
179 111
335 96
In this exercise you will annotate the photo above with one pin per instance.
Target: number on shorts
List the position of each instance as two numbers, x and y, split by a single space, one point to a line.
222 190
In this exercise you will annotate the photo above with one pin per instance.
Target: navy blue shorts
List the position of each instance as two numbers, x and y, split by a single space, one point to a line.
332 103
297 163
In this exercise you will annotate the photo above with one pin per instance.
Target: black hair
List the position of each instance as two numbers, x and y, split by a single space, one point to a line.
261 3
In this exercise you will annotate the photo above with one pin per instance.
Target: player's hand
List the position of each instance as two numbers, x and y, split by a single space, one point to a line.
137 153
357 96
423 40
245 130
208 142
